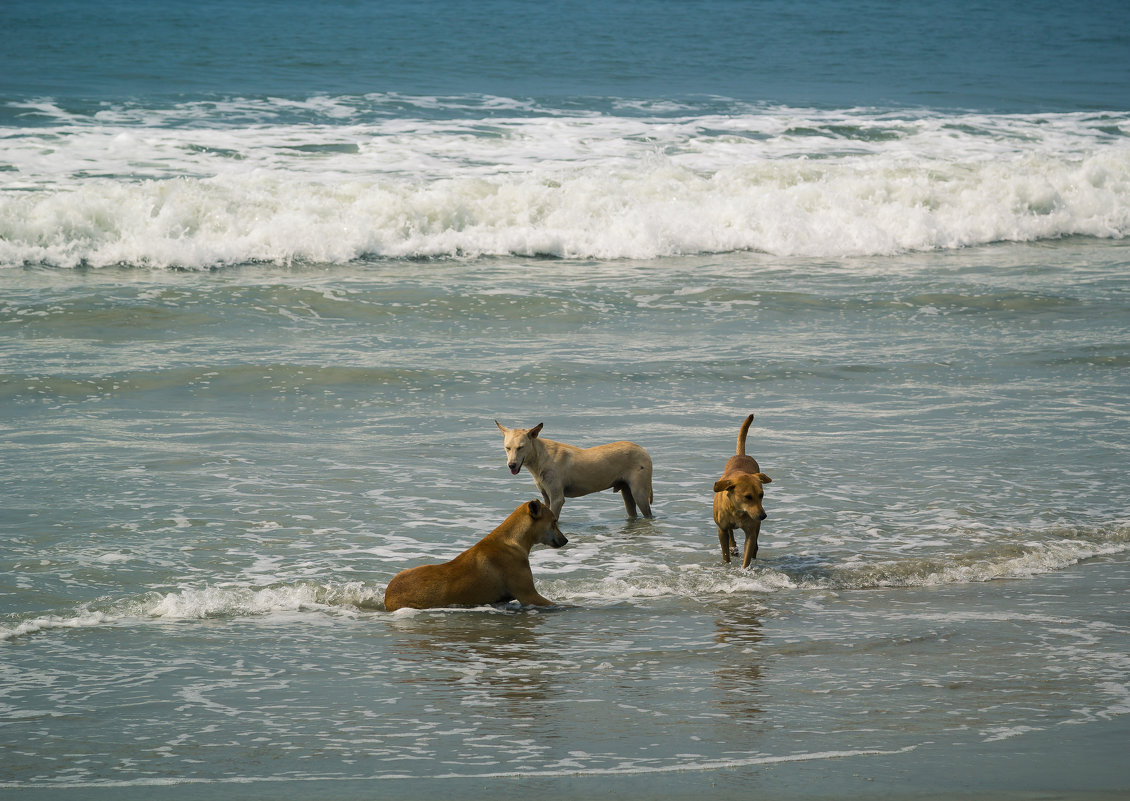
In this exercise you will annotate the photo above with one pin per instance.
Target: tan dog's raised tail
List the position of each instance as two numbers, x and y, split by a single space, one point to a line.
565 471
494 570
738 497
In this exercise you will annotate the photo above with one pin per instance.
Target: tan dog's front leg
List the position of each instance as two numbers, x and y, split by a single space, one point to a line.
522 588
750 552
552 489
724 539
553 496
555 499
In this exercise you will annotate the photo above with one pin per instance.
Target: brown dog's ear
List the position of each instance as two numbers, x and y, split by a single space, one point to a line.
501 427
764 479
535 509
722 484
533 432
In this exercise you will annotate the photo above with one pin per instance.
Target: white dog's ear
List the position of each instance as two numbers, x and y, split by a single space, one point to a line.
722 484
533 432
501 427
535 509
764 479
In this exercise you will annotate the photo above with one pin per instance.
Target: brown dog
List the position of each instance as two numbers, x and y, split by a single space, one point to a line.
494 570
738 497
565 471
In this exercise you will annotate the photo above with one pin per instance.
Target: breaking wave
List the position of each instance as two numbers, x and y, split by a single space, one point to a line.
180 188
638 581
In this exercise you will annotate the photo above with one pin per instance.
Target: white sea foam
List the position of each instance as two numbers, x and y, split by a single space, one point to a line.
603 578
207 602
84 619
172 187
628 578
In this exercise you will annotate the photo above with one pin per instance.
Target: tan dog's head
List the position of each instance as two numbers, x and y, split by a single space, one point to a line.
745 493
517 444
543 523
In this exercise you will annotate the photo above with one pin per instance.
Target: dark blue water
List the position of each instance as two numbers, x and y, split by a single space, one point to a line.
999 56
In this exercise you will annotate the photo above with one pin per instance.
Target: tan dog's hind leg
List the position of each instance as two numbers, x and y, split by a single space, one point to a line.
639 484
644 500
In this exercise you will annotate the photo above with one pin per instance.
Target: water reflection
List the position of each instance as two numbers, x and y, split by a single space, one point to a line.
738 671
501 660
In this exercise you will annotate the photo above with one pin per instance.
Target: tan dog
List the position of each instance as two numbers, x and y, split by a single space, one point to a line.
494 570
738 497
565 471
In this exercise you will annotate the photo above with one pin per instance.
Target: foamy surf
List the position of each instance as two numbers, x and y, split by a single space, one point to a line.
192 604
156 188
41 623
208 602
629 578
626 581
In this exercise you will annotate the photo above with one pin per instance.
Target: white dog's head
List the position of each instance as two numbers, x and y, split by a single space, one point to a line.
518 443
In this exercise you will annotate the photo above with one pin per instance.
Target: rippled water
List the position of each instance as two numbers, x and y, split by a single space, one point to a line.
270 270
210 476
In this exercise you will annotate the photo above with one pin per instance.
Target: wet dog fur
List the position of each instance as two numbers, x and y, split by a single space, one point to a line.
494 570
563 471
738 500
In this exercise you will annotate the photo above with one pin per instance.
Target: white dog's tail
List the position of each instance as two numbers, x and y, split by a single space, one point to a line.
741 435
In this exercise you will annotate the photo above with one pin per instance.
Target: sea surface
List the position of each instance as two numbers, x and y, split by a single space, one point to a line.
270 271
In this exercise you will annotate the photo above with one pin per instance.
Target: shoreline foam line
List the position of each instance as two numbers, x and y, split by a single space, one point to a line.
719 764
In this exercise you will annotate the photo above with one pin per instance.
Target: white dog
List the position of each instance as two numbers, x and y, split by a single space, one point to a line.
565 471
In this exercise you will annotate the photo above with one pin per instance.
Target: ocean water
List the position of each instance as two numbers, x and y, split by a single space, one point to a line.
270 271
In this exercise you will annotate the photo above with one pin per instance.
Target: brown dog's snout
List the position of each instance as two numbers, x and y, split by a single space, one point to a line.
763 516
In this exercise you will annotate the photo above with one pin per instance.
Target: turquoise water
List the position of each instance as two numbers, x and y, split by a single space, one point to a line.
269 272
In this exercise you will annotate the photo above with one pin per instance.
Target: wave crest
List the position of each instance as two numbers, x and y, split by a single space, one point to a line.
784 182
785 210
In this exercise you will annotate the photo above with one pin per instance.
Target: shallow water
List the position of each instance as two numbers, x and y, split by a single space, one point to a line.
269 271
210 477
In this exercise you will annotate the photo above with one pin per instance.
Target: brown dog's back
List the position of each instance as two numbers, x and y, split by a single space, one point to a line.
740 463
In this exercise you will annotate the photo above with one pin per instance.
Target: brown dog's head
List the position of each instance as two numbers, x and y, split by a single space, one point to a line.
517 444
544 524
746 493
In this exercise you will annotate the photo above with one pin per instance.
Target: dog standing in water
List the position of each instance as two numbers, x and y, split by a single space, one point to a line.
738 497
565 471
494 570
